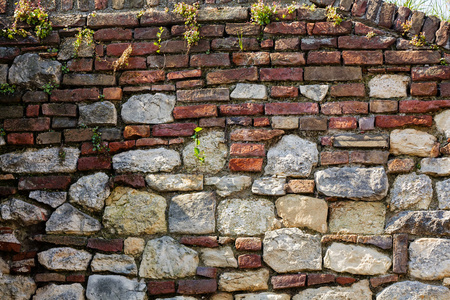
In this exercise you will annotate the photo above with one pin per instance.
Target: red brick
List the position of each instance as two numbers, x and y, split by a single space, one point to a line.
400 121
331 108
212 122
287 59
197 286
87 148
132 64
134 180
99 50
283 14
430 73
291 108
445 89
315 279
32 110
59 109
210 60
383 106
288 281
101 4
261 122
324 58
284 92
251 58
161 287
282 28
94 163
10 246
328 28
203 95
24 255
141 77
150 33
111 20
254 135
149 142
248 244
76 278
242 121
249 261
412 57
247 150
184 74
195 111
334 158
354 107
232 75
345 280
287 44
367 123
61 240
363 58
241 109
317 43
7 190
112 93
369 157
212 30
75 95
180 129
181 47
113 34
348 90
207 272
49 277
114 245
78 135
343 123
163 88
399 165
380 280
136 131
232 44
424 89
169 61
362 42
80 65
34 96
246 164
26 138
176 141
363 29
190 84
300 186
44 182
35 124
416 106
281 74
201 241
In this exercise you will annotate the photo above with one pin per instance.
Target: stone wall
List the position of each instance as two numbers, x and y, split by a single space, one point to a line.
326 169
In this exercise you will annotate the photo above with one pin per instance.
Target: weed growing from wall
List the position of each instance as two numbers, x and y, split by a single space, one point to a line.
158 42
122 62
261 12
83 35
6 88
197 153
333 16
189 13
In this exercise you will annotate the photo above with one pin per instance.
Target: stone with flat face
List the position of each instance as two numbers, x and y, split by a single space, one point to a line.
353 183
67 49
411 142
166 258
358 291
262 296
411 191
23 212
148 109
66 219
361 141
271 186
435 222
114 263
429 258
65 259
314 92
227 185
176 182
388 86
443 194
146 161
292 250
245 91
292 156
414 290
52 291
99 113
90 191
435 166
16 287
443 122
244 281
219 257
107 287
54 199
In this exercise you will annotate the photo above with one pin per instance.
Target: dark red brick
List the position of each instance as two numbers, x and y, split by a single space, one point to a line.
400 121
169 47
251 58
10 246
315 279
184 74
111 20
101 162
179 129
288 281
75 95
212 122
197 286
61 240
7 190
287 59
363 58
430 73
101 4
113 34
354 107
424 89
132 64
35 124
232 75
141 77
247 150
380 280
248 244
200 241
412 57
249 261
417 106
329 28
242 121
261 122
150 33
44 182
400 253
343 123
80 65
49 277
291 108
59 109
114 245
246 164
207 272
87 148
210 60
161 287
369 157
363 29
362 42
76 278
241 109
190 84
282 28
34 97
281 74
136 131
24 255
284 92
195 111
334 158
345 280
150 142
287 44
32 110
134 180
254 135
324 58
26 138
445 89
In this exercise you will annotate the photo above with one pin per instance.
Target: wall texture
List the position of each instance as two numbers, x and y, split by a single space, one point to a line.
326 170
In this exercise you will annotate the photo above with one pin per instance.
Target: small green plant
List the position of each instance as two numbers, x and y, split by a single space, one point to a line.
443 62
49 87
2 132
101 97
311 7
197 153
97 142
93 14
189 13
240 40
406 26
52 50
140 14
418 40
65 69
83 35
333 16
291 9
62 154
158 43
6 88
261 12
208 52
370 34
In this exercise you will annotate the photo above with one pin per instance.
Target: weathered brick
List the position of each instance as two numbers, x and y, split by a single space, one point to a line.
80 65
288 281
324 58
75 95
141 77
369 157
383 106
112 93
87 148
445 89
132 64
332 73
380 280
363 29
354 107
334 158
156 17
300 186
412 57
150 33
400 121
163 88
13 112
181 47
348 90
267 44
94 163
197 286
343 123
44 182
201 241
7 190
161 287
249 261
49 277
35 124
315 279
313 123
416 106
328 28
362 42
345 280
281 74
59 109
287 59
212 30
248 244
366 123
235 44
114 245
149 142
180 129
241 109
287 44
212 122
284 92
113 34
168 61
400 165
184 74
61 240
261 122
400 253
430 73
291 108
241 121
101 4
195 111
209 272
331 108
232 75
210 60
190 84
89 79
35 96
242 29
251 58
359 8
247 150
317 43
112 20
363 58
232 14
134 180
246 164
424 89
136 131
282 28
77 135
26 138
76 278
203 95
